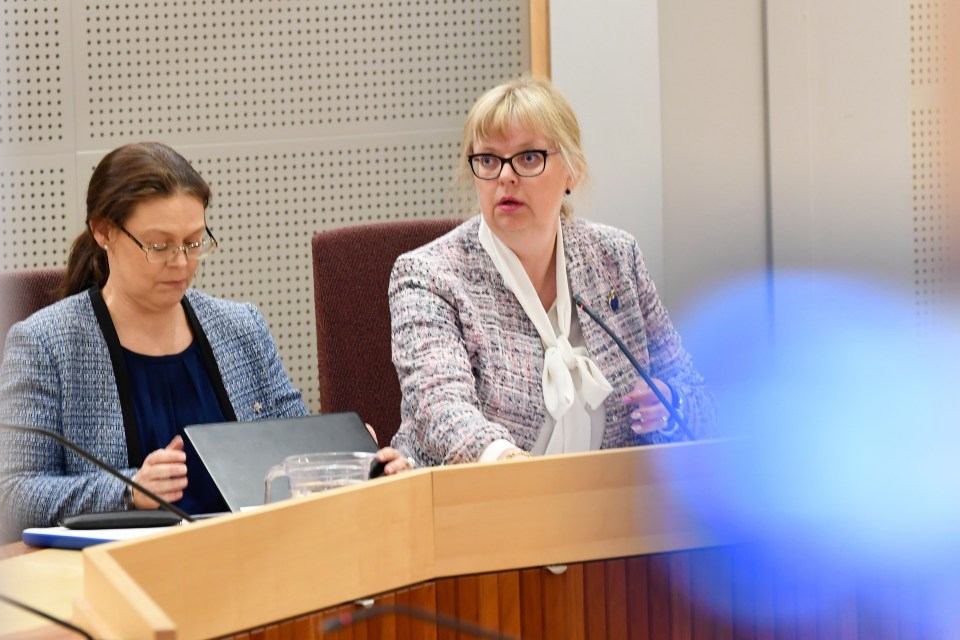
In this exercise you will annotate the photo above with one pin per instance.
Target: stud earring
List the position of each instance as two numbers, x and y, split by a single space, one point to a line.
568 192
105 246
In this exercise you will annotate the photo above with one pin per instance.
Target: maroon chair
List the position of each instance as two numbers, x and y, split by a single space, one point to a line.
23 292
351 273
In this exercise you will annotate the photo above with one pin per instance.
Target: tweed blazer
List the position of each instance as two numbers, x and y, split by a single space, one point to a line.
57 375
470 361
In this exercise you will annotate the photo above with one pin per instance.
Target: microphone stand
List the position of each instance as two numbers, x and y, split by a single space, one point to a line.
46 616
344 620
166 506
674 414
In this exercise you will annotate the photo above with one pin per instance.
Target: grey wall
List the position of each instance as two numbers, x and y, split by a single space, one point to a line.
714 144
803 134
672 104
605 59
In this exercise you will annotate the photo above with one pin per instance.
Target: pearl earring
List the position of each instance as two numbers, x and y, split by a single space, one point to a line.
105 246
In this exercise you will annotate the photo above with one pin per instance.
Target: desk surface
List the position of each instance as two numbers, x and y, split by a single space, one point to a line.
48 579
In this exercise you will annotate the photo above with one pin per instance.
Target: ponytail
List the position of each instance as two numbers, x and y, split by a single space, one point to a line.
86 266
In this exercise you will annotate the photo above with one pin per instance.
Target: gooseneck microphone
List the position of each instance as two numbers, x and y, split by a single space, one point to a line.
674 414
46 616
166 506
344 620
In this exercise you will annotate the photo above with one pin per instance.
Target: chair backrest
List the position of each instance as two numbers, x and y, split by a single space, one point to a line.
351 274
24 292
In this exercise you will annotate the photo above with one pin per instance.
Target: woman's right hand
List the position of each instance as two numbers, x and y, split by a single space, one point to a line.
514 453
163 472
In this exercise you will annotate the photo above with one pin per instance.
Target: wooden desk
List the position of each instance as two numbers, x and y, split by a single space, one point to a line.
14 549
468 541
48 579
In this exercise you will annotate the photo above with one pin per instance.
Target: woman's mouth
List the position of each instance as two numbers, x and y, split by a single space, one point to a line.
509 205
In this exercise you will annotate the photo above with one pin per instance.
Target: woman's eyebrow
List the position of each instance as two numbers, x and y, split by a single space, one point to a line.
526 145
165 232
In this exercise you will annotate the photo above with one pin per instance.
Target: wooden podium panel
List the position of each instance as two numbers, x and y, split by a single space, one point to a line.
249 570
220 575
571 508
471 542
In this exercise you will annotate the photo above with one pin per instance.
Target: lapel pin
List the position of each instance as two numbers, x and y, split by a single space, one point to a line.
256 407
614 300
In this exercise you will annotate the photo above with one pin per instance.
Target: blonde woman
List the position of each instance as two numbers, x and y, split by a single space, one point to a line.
495 362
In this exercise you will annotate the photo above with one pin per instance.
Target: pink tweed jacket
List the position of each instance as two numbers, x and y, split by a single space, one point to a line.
470 361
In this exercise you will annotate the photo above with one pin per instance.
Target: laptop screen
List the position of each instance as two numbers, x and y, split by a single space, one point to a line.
238 454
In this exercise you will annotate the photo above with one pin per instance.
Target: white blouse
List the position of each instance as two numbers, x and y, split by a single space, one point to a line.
574 388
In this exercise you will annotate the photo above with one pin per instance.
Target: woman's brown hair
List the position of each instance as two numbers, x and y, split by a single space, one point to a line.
123 179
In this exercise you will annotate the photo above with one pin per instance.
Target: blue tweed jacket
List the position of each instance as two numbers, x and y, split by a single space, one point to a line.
470 360
57 375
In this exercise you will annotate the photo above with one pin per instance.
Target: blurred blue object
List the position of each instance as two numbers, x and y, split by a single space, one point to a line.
846 414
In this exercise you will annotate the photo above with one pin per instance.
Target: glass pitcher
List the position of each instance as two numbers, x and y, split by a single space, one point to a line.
311 472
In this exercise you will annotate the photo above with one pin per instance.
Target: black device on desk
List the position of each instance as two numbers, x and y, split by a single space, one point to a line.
121 520
238 454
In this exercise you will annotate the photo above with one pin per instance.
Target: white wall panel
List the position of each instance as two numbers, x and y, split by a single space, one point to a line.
605 58
714 145
840 126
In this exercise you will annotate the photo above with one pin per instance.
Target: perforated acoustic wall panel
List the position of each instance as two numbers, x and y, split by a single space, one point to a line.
35 194
259 70
930 154
36 97
302 116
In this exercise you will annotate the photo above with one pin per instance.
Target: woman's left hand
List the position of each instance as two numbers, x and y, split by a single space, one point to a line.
395 461
647 414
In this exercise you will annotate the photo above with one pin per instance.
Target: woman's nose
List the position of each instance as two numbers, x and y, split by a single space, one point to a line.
507 173
175 258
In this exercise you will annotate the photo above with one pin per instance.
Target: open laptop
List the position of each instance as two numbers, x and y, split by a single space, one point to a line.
238 454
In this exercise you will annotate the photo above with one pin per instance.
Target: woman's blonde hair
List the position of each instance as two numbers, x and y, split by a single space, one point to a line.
532 103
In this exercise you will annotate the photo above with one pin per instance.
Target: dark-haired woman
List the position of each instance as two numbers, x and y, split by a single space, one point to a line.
132 355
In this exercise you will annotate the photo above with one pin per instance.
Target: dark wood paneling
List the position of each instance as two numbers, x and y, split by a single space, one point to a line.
595 591
638 599
531 604
488 601
743 595
575 606
658 577
509 602
713 594
447 605
423 597
681 612
617 601
468 602
554 605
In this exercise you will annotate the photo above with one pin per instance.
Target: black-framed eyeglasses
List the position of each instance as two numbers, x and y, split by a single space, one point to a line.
526 164
165 252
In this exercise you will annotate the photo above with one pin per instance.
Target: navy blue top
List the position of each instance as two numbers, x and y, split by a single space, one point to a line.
170 393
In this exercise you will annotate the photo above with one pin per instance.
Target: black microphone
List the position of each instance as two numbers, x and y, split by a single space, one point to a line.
677 417
166 506
344 620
